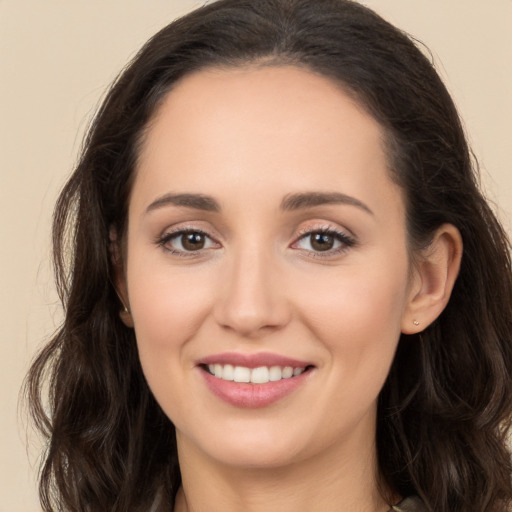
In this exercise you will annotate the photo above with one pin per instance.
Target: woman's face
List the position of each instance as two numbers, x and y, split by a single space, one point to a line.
266 242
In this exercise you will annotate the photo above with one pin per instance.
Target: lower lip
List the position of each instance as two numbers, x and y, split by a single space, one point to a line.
241 394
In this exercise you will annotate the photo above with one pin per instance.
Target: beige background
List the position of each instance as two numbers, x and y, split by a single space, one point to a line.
56 59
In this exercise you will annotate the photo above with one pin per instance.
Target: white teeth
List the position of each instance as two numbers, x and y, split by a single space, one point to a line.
260 375
242 374
287 372
275 373
228 372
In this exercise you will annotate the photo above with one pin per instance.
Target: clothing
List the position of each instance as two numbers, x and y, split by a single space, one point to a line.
410 504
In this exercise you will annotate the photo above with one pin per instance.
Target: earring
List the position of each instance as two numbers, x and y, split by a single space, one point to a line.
125 314
415 322
126 310
126 317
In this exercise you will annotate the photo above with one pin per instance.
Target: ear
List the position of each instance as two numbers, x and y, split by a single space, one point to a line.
434 275
119 279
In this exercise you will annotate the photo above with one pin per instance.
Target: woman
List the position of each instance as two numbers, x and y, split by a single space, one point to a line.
285 290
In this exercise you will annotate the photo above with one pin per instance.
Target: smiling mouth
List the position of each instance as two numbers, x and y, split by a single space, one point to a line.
259 375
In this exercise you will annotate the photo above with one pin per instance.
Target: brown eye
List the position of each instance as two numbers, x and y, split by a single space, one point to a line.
185 242
322 241
193 241
326 242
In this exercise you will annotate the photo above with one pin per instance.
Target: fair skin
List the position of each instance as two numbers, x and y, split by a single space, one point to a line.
264 227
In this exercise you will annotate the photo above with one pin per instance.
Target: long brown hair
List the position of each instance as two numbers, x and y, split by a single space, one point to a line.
445 410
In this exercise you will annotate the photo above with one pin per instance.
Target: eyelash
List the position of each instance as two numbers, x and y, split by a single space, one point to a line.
163 240
346 241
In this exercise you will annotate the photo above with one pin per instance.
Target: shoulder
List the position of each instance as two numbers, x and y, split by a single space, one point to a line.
411 504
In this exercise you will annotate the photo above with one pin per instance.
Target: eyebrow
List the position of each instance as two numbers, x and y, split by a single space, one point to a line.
196 201
310 199
291 202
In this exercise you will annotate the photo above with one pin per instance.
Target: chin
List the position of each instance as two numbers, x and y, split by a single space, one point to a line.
251 447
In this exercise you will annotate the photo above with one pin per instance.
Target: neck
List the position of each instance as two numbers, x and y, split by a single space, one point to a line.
330 482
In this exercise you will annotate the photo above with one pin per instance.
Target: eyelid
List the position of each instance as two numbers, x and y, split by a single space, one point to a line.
168 234
344 236
323 227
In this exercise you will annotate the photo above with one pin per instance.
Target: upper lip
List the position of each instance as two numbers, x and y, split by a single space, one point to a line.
253 360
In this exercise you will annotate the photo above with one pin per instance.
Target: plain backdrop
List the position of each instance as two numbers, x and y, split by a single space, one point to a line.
57 57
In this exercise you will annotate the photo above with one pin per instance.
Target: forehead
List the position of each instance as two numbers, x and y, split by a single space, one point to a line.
268 97
219 129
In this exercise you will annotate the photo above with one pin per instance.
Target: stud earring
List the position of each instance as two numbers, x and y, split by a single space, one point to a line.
125 314
126 317
415 322
126 310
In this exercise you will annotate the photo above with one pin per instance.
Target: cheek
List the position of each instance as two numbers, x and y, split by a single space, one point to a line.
356 313
358 323
168 308
356 298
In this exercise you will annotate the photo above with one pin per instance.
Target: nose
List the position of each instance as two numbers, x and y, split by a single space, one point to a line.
252 300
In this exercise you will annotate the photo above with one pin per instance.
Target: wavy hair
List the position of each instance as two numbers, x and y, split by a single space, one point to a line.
445 410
